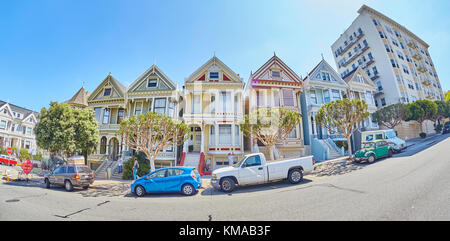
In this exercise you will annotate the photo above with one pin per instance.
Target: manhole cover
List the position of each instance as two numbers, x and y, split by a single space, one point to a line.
12 200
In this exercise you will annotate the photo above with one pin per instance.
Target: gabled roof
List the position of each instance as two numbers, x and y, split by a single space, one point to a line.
154 69
121 89
14 108
272 61
80 98
214 61
350 79
323 64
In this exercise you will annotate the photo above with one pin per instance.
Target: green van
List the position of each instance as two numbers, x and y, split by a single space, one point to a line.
373 150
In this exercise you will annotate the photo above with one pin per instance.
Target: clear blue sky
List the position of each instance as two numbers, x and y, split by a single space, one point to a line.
48 48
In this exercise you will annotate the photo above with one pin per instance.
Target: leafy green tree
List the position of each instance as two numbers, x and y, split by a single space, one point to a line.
270 126
55 130
422 110
391 115
345 116
86 131
151 132
65 130
447 96
443 110
24 154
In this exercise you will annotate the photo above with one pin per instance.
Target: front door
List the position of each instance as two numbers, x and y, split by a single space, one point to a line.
197 141
113 149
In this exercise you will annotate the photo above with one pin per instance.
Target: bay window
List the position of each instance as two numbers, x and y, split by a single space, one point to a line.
225 135
288 98
160 106
105 116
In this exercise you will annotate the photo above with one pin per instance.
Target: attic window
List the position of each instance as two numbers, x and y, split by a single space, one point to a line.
276 74
214 75
107 92
360 78
152 83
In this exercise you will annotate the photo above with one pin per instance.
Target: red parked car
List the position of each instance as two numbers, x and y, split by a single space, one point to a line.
8 160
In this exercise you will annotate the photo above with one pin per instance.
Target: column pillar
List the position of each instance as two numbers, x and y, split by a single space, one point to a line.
202 146
216 134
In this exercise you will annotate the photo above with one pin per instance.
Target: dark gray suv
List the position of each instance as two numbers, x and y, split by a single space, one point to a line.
70 176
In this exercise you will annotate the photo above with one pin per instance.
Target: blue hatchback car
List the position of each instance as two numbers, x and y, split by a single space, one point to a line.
172 179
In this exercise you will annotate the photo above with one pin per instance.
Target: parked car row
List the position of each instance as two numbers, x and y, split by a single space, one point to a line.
251 169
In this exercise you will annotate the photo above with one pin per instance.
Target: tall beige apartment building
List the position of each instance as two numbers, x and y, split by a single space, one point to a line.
397 60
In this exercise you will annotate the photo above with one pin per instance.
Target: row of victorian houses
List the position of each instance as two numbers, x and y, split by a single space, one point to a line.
214 100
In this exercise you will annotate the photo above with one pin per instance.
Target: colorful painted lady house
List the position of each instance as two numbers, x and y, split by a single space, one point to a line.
108 103
274 84
213 111
323 85
154 91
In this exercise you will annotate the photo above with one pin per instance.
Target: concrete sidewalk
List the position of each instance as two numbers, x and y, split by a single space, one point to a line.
413 141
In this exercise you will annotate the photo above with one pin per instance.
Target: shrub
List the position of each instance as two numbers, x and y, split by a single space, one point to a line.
438 128
341 144
144 167
423 135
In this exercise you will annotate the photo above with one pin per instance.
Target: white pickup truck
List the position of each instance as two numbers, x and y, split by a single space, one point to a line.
253 169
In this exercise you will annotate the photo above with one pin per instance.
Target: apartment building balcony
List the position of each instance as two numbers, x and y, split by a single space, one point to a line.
417 57
426 83
421 69
361 34
412 45
355 55
365 65
379 91
375 76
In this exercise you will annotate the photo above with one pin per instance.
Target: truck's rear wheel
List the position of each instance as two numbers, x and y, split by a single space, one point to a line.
227 184
295 176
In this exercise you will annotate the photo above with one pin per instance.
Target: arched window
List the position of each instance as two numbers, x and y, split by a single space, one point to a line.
103 145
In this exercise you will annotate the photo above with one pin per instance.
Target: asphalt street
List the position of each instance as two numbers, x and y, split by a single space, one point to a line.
413 185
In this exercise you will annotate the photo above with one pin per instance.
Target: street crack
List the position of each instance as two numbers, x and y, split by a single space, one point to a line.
68 215
105 202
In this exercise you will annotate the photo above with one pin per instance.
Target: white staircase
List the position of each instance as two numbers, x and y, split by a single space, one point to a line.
192 159
333 152
101 171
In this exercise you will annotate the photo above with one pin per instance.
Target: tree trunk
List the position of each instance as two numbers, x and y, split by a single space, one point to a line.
349 148
271 152
152 164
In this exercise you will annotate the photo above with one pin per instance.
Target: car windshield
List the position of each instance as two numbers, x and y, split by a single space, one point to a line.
238 164
391 134
369 145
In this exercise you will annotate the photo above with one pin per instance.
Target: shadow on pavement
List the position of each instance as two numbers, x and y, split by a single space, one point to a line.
421 145
210 191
